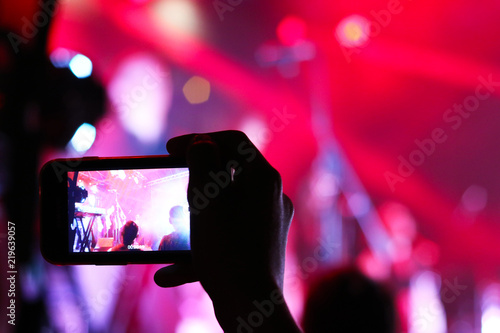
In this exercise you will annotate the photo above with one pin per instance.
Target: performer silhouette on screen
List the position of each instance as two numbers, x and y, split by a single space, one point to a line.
179 238
128 234
117 217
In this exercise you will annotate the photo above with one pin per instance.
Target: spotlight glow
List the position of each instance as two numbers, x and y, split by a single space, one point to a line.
490 318
425 297
353 31
81 66
83 138
257 131
179 16
141 91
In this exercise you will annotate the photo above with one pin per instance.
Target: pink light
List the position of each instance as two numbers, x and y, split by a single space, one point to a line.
268 54
426 253
291 30
353 31
372 266
140 91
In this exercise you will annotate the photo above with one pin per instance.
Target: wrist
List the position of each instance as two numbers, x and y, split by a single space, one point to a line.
256 309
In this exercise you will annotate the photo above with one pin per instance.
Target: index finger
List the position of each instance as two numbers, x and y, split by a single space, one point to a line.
233 145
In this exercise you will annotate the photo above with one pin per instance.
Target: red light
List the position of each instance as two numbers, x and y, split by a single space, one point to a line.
291 30
353 31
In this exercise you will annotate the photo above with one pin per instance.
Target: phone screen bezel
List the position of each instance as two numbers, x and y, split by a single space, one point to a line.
54 227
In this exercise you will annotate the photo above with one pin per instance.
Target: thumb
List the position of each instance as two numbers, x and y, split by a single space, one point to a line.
175 275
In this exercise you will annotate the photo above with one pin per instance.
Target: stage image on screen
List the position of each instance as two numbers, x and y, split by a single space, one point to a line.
128 210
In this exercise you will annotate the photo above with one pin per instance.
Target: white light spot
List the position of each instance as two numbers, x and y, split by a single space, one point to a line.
121 174
83 138
425 299
353 31
81 66
490 321
490 318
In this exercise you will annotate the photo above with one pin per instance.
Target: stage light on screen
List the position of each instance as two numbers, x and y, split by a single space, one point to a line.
121 174
291 30
353 31
83 138
196 90
80 66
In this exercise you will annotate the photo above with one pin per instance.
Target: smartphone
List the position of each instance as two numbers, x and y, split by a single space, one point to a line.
117 210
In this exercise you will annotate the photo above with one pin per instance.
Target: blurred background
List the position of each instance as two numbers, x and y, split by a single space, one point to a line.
383 118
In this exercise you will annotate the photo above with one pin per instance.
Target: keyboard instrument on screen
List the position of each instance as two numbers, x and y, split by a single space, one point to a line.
84 211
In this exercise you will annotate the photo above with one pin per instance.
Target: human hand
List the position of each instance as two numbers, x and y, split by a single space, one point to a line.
239 224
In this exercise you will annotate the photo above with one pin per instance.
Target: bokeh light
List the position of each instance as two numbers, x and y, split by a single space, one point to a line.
83 138
490 318
60 57
196 90
80 66
140 91
353 31
291 30
474 199
176 16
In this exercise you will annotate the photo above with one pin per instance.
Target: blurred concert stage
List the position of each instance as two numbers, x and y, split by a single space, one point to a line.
381 116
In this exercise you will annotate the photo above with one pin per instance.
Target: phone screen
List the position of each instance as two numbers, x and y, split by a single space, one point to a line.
128 210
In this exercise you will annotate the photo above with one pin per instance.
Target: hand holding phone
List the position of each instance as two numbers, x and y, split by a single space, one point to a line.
239 225
239 221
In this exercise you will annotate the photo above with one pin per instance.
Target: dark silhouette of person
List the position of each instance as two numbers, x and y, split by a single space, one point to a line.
179 238
345 300
128 234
